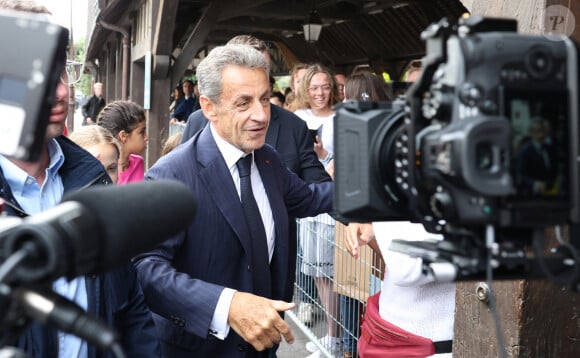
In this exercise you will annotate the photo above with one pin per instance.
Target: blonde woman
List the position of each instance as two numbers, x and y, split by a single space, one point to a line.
102 145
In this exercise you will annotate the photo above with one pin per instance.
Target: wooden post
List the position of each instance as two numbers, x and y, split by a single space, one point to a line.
163 15
537 318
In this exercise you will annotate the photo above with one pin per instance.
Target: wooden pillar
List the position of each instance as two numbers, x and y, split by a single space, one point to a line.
537 318
158 125
163 15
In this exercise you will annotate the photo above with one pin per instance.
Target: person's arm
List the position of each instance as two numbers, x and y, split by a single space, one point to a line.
85 107
311 170
323 154
256 319
195 123
409 270
402 269
305 200
139 337
165 287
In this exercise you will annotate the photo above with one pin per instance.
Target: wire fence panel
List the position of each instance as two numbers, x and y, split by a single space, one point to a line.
332 287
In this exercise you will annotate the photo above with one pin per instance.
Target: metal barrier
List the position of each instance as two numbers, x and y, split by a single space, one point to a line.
332 287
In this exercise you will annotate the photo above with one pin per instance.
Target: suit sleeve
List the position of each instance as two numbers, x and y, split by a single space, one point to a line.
302 199
174 295
311 169
195 123
139 338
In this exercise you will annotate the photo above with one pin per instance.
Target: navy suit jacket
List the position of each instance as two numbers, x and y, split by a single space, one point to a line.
288 134
185 108
184 277
532 167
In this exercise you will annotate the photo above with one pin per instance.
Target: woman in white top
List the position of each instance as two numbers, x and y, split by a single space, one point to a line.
315 96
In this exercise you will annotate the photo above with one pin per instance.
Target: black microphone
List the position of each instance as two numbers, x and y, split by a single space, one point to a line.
53 310
97 229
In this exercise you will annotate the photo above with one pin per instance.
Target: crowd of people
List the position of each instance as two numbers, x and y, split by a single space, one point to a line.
221 287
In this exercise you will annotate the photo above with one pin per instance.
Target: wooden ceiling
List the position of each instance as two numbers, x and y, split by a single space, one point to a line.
382 33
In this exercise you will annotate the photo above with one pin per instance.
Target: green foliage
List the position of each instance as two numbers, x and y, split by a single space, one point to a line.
282 82
84 85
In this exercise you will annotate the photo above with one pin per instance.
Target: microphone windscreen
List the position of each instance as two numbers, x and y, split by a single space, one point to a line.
136 217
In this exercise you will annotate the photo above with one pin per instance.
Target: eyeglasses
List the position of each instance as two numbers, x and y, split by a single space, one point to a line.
314 89
71 73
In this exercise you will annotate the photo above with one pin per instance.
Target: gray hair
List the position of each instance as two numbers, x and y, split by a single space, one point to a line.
209 71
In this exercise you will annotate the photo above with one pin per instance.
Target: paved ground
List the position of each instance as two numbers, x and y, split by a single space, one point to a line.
298 349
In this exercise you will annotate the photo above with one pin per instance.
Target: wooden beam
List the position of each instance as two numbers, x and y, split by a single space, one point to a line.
254 24
164 26
196 39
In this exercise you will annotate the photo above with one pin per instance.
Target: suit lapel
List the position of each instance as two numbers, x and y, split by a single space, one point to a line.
218 181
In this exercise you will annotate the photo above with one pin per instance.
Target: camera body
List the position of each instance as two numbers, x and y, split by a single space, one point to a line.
28 78
487 136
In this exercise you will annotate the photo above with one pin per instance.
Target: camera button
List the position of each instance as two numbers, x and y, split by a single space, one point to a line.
470 94
488 107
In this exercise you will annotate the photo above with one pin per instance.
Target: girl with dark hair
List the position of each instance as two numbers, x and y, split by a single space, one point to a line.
126 121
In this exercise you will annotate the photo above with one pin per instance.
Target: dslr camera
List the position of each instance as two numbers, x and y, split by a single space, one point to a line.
482 149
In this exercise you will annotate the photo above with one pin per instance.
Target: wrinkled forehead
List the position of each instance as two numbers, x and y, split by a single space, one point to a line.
236 79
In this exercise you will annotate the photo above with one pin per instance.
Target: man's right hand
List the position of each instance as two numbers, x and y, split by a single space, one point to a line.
257 321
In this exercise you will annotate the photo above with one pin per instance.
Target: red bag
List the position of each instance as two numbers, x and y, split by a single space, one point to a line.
381 339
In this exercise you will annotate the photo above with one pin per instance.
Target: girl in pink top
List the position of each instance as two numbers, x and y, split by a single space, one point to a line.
126 120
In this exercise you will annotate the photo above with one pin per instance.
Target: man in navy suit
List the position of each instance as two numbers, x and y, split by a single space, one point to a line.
289 135
200 283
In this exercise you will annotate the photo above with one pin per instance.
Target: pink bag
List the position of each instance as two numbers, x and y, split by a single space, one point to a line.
381 339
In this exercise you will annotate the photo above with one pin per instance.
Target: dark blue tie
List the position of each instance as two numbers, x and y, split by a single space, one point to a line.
260 256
